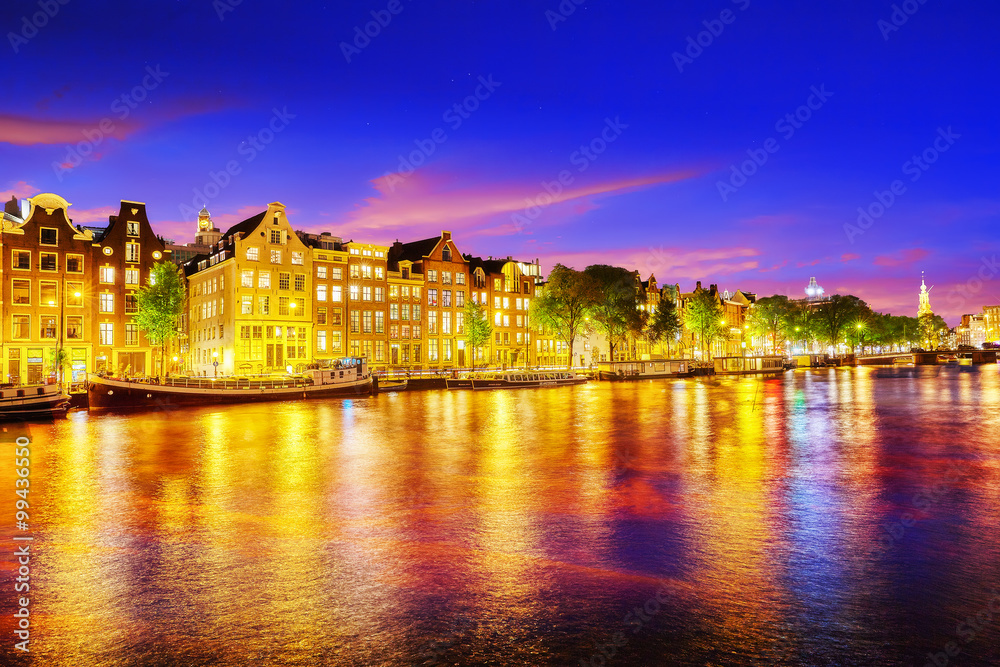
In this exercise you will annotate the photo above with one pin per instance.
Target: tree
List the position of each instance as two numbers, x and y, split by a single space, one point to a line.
616 311
703 316
769 318
59 360
800 325
834 315
160 304
664 324
477 328
933 329
564 302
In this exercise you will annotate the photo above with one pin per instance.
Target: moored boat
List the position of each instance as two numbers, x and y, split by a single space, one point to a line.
385 386
349 378
33 402
644 370
748 365
515 379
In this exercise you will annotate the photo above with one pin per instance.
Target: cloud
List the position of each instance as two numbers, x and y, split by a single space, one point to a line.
430 203
24 131
667 264
848 257
21 190
92 215
902 258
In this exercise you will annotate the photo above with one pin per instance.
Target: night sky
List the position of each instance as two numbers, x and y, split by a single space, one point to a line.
360 136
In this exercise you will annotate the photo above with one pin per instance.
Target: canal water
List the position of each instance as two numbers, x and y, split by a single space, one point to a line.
830 517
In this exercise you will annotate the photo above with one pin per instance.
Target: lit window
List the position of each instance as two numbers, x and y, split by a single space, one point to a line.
74 263
300 282
107 303
131 252
296 257
336 293
74 328
253 253
49 261
432 276
131 334
275 236
275 256
264 305
366 293
22 327
21 292
264 280
21 259
131 276
107 330
107 275
321 292
321 272
246 307
131 303
74 294
132 229
379 273
337 273
283 280
48 326
246 278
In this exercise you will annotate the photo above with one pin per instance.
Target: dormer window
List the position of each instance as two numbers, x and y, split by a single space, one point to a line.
276 234
132 228
446 254
406 274
48 236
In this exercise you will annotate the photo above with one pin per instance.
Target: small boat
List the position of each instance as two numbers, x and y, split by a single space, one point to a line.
33 402
387 385
904 360
349 377
617 371
515 380
746 365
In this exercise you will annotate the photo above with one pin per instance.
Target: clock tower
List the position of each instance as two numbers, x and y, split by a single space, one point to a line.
208 233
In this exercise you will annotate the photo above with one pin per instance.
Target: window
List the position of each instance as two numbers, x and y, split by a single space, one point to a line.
107 331
321 292
336 293
107 303
74 327
246 278
282 305
496 320
263 305
366 293
321 316
506 321
335 342
367 322
379 273
131 255
496 284
107 275
393 311
48 236
21 292
264 280
380 294
446 254
246 305
321 272
337 273
446 298
416 313
432 276
21 259
416 294
416 332
297 257
131 303
48 326
446 322
459 323
276 236
432 350
432 297
321 341
446 277
459 278
355 292
336 317
393 331
366 272
393 291
50 261
406 311
446 345
283 280
132 229
300 282
405 330
275 256
432 322
506 303
22 327
131 334
253 253
131 276
460 298
496 303
355 321
379 321
355 271
517 303
74 294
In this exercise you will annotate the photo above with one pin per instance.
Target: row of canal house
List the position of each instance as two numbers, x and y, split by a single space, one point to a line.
72 287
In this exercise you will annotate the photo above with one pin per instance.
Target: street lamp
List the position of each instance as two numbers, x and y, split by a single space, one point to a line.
215 361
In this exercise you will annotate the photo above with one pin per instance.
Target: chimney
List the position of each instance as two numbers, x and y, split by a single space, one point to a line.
697 286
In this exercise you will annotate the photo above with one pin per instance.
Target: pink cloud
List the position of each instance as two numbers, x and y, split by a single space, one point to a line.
92 215
671 264
850 256
23 131
902 258
425 203
21 190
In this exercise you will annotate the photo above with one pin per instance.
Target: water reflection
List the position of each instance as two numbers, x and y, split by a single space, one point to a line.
527 527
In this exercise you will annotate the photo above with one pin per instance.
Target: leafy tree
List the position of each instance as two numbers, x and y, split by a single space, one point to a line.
703 316
664 324
834 316
616 311
564 302
769 318
59 360
933 330
478 329
160 303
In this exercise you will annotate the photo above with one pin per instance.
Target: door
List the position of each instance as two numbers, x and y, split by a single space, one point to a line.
395 355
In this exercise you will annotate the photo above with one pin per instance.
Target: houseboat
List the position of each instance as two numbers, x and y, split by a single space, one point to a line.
516 379
644 370
348 377
748 365
33 402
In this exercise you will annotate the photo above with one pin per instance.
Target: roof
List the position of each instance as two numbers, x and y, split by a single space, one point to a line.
415 250
246 226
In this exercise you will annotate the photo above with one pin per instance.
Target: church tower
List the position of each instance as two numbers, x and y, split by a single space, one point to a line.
208 233
925 298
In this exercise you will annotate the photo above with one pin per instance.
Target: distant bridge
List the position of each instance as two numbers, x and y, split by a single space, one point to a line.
926 358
